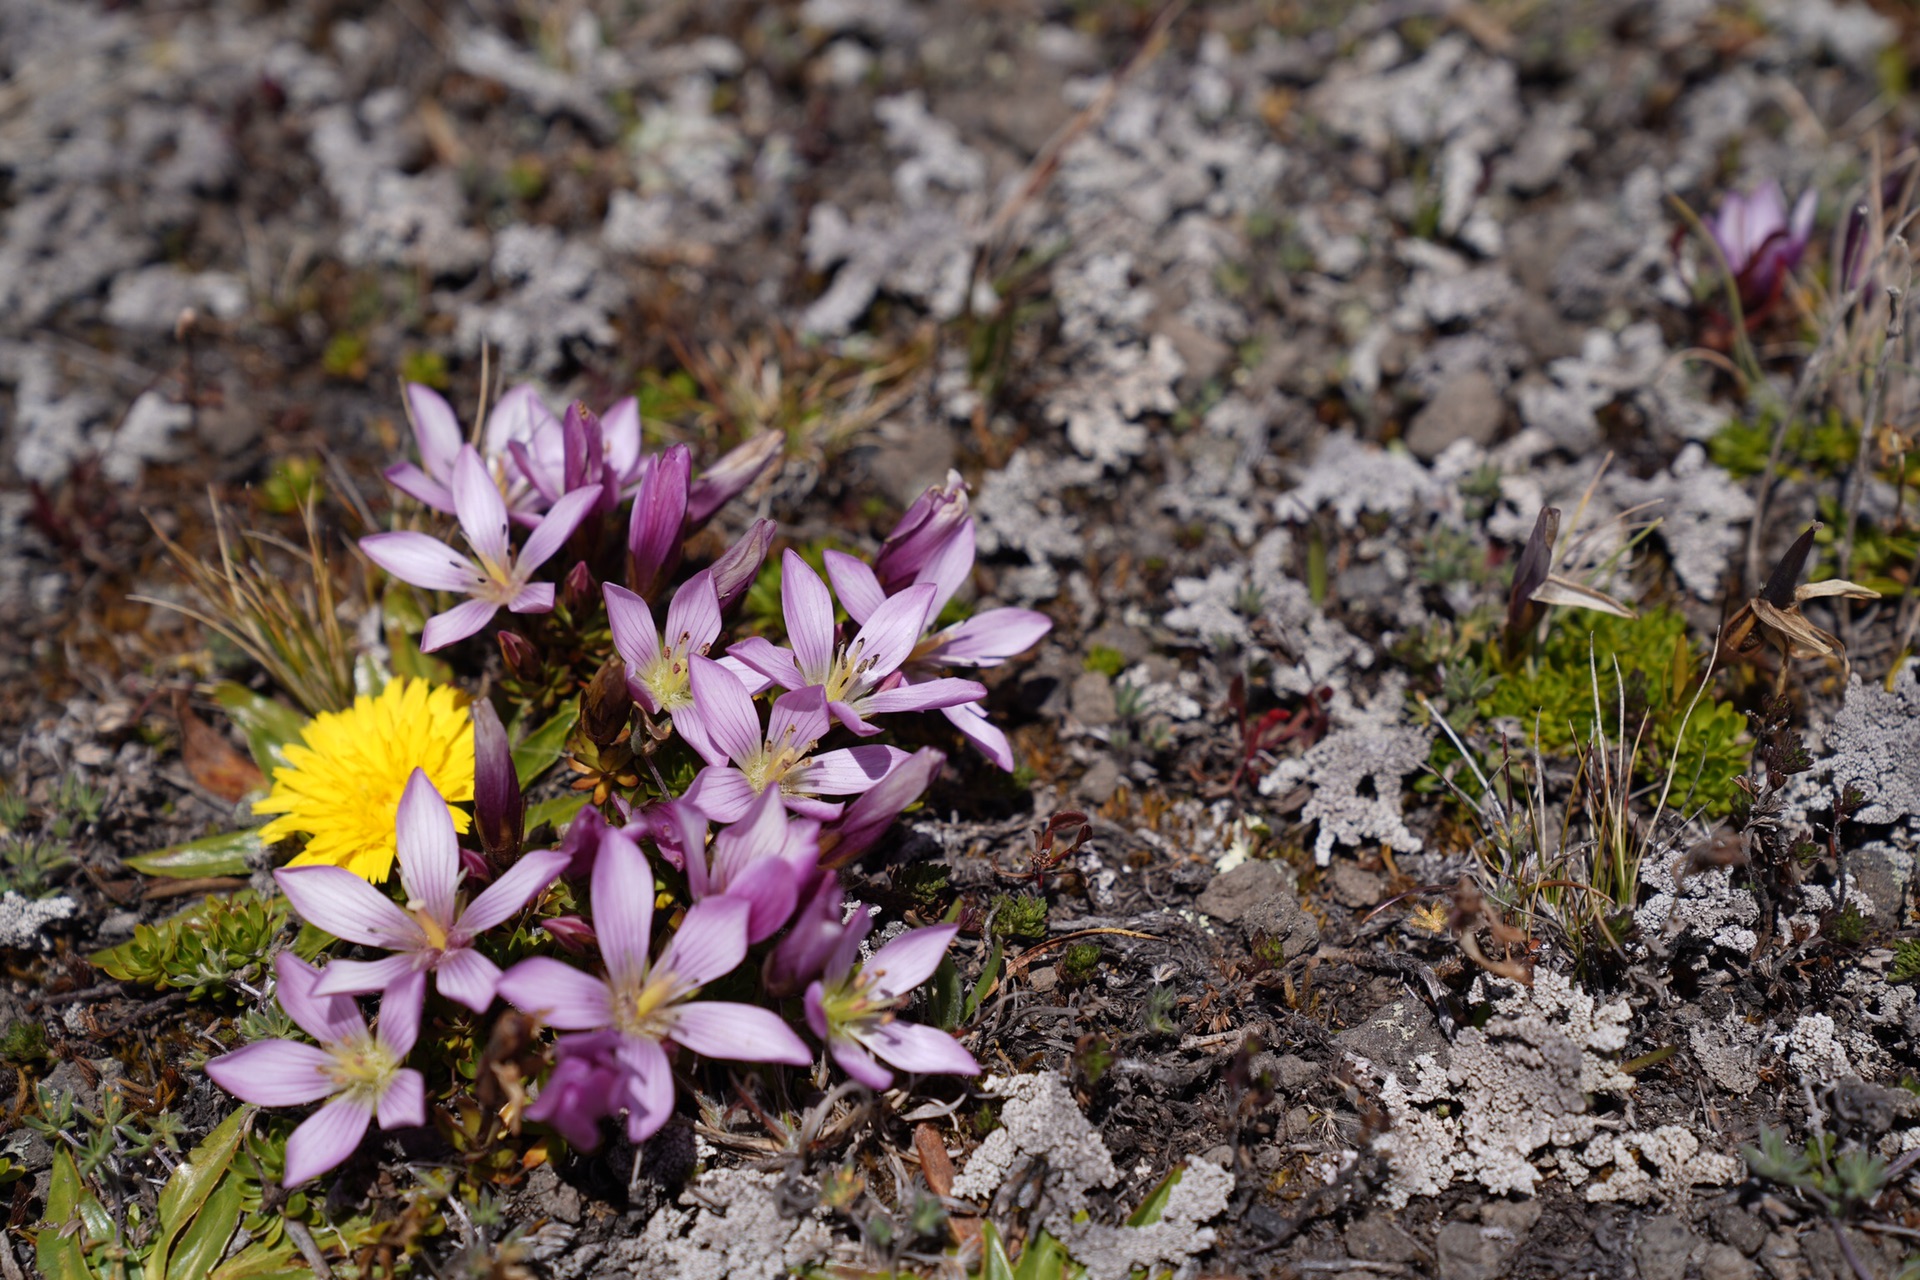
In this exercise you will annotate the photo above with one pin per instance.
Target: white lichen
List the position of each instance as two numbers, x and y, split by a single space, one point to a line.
22 918
1356 776
1873 745
1678 1166
732 1228
1351 478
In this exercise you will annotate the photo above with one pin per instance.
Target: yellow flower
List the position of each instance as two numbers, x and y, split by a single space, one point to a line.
343 780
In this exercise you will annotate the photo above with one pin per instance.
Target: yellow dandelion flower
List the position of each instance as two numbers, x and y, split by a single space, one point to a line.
343 781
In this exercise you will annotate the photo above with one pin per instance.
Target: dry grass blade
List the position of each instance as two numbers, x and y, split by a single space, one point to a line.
293 631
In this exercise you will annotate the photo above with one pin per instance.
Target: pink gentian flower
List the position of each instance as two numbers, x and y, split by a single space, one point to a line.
762 859
640 1004
984 640
659 666
1762 243
923 530
723 726
434 934
869 816
500 579
854 1009
359 1070
859 679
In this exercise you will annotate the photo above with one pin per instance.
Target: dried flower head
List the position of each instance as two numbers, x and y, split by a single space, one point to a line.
1775 614
343 780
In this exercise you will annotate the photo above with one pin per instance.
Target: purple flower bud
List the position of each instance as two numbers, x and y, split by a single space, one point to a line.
869 816
582 841
607 704
571 932
817 929
499 811
523 660
735 571
659 515
579 590
933 518
731 475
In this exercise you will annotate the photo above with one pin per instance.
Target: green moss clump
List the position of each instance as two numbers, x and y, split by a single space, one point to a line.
1108 662
1657 679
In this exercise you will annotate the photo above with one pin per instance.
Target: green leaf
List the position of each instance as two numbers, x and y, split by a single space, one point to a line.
943 995
539 749
200 1248
60 1251
221 855
1156 1202
995 1265
559 810
403 651
262 1261
987 975
311 941
268 723
1045 1258
192 1182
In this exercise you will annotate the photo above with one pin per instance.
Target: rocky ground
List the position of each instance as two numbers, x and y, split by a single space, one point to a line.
1262 333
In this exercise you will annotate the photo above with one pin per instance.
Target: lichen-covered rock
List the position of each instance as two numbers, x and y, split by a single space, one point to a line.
1873 745
22 918
731 1228
1678 1165
1356 776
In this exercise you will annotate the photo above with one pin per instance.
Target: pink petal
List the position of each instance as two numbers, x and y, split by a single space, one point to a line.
768 662
949 568
517 415
809 609
561 520
659 513
929 695
422 561
993 636
859 1064
910 959
468 977
524 881
725 711
752 681
912 1047
760 834
428 849
631 622
620 434
732 473
328 1019
435 429
710 943
850 770
737 567
890 634
622 906
482 511
274 1073
535 597
970 718
811 807
397 1025
737 1033
854 583
815 1005
457 624
364 977
649 1086
799 719
335 899
769 889
326 1139
404 1104
693 616
558 994
420 486
722 793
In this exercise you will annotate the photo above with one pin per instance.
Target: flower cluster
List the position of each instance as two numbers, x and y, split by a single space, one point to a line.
655 891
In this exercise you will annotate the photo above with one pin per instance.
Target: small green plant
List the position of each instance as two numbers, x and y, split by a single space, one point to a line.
1108 662
206 950
28 864
13 810
1019 916
24 1042
1129 699
1158 1018
1848 928
1080 962
291 485
925 883
426 367
1839 1182
1906 961
111 1133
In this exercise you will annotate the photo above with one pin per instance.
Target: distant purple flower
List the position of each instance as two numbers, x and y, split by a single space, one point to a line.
359 1070
984 640
723 726
762 859
1762 243
923 530
433 934
869 816
859 677
731 475
640 1004
659 666
525 449
500 579
855 1009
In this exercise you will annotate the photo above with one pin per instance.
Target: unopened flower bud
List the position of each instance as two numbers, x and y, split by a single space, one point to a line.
735 571
523 660
499 810
579 590
607 705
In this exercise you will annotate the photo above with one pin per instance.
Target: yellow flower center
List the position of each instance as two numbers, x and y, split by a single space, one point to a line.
770 765
636 1010
362 1066
669 678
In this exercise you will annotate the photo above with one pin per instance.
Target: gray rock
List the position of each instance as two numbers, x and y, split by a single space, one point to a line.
1462 1251
1092 699
1395 1036
909 459
1098 784
1724 1262
1283 919
1877 873
1516 1216
1375 1238
1468 407
1234 893
1782 1258
1662 1247
1740 1229
1353 886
